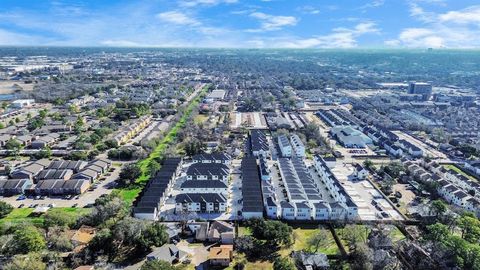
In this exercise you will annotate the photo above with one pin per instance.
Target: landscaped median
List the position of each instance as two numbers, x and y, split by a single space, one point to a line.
131 192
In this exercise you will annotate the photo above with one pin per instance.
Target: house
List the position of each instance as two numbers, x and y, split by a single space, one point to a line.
74 165
311 261
221 256
168 252
64 174
473 166
321 211
297 145
360 172
27 172
338 211
284 145
251 189
199 229
45 141
208 171
204 186
13 186
288 210
200 202
272 208
258 143
303 211
220 231
86 174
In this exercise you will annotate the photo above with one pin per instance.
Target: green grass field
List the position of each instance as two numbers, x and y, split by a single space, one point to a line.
302 235
24 215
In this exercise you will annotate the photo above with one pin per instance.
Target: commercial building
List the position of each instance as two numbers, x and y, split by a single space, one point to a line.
420 88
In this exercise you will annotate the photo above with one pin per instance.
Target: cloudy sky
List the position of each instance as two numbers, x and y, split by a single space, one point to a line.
242 23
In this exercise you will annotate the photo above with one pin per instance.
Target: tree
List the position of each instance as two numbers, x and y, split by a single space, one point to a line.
394 169
283 264
5 209
58 239
13 144
274 231
27 239
437 232
470 227
153 167
318 239
46 152
438 208
247 244
155 235
368 163
157 265
362 257
31 261
58 218
129 174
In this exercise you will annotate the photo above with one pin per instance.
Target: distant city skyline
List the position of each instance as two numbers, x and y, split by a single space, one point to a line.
242 24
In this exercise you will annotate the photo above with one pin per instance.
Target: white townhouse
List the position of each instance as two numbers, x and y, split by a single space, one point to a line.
288 210
285 146
272 208
303 211
297 145
321 211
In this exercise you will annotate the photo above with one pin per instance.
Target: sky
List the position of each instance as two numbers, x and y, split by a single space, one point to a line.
242 23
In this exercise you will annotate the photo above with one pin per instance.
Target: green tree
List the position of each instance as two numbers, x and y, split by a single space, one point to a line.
318 239
470 227
437 232
5 209
27 239
58 218
157 265
129 174
283 263
155 235
438 207
31 261
153 167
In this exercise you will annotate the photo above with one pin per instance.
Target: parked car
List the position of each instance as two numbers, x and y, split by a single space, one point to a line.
21 198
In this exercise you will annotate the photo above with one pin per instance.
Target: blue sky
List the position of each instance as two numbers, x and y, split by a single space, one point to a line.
242 23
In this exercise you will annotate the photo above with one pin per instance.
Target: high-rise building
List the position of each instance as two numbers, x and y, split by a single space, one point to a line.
420 88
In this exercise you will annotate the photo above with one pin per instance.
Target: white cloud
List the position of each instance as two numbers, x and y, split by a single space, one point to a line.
465 16
308 10
270 22
193 3
452 29
176 17
338 38
11 38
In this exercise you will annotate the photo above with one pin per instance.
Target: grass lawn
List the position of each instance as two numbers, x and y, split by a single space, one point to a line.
200 118
458 170
301 237
21 215
129 195
396 235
